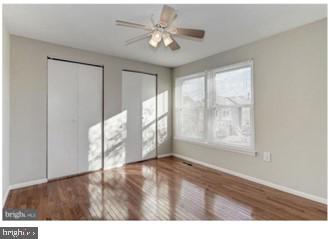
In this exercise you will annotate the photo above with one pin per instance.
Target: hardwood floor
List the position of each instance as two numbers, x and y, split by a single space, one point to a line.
163 189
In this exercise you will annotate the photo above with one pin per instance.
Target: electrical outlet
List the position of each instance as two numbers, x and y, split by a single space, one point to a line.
267 156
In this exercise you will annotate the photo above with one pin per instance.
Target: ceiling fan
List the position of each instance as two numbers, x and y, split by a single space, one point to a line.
162 31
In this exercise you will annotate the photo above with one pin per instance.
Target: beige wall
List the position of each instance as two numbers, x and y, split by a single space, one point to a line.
5 110
29 99
290 78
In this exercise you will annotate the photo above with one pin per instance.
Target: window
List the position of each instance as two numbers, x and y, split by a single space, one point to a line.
216 108
191 107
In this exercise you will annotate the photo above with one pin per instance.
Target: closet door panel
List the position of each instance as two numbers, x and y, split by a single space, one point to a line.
90 117
139 103
62 118
132 104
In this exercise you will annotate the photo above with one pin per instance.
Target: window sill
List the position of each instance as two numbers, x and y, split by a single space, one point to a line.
216 146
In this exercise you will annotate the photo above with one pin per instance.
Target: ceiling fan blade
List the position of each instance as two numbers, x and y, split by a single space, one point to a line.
195 33
174 45
167 16
137 38
132 24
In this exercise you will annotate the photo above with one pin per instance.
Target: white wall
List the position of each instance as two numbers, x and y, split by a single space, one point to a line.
5 111
28 99
290 81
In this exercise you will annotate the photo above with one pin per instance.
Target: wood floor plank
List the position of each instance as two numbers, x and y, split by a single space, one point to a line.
162 189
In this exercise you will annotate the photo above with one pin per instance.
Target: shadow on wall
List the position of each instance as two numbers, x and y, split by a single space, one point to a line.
115 129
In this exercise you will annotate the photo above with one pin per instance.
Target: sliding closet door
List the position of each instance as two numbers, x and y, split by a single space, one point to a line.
62 118
89 118
139 102
74 118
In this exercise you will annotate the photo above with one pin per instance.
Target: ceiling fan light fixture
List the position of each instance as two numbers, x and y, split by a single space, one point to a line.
153 42
167 39
157 36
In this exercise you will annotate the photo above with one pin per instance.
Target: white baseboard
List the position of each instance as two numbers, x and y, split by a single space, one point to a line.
256 180
26 184
164 155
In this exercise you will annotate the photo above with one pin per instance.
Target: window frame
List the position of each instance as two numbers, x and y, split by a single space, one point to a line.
209 77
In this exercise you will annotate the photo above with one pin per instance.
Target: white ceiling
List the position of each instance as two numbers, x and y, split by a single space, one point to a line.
92 27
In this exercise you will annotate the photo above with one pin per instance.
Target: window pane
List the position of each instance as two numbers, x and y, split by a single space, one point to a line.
192 108
193 92
233 87
192 122
233 99
232 125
